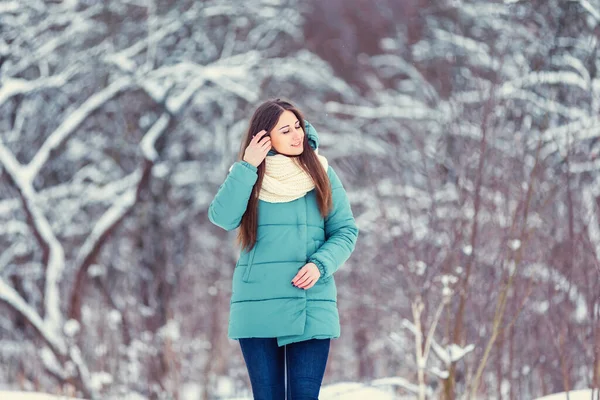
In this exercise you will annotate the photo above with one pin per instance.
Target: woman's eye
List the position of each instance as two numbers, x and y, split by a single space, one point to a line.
285 132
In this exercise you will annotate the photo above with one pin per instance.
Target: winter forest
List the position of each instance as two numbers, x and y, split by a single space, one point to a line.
466 133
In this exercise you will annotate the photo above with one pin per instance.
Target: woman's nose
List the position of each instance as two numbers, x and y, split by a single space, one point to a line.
298 133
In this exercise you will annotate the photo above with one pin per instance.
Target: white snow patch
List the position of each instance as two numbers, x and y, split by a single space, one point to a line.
225 386
456 352
32 396
514 244
585 394
114 318
543 273
468 250
191 391
96 270
170 330
71 328
418 267
100 379
439 373
354 391
343 391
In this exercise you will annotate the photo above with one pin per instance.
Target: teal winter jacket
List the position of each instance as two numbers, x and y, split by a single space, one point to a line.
264 303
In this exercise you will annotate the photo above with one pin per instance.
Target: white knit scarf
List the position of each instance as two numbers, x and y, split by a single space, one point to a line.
285 180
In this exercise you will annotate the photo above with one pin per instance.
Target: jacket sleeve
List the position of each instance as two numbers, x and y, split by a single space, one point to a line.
229 205
341 231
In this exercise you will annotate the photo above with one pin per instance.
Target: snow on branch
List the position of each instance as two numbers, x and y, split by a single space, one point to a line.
114 214
448 355
409 69
509 92
77 24
555 138
43 233
589 8
47 332
470 45
71 123
14 86
457 353
9 7
417 112
551 78
149 139
123 58
589 202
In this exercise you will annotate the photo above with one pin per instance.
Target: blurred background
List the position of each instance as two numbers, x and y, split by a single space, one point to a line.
465 133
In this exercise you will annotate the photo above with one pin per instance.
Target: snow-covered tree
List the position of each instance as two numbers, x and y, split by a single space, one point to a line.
119 120
484 114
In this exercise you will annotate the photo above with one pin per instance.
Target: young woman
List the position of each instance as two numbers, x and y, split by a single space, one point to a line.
296 229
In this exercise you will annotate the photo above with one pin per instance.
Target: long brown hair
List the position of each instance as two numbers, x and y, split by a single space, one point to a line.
266 117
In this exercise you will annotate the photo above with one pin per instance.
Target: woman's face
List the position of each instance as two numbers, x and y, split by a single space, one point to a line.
287 137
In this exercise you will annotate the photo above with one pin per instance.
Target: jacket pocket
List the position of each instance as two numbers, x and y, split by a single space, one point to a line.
246 277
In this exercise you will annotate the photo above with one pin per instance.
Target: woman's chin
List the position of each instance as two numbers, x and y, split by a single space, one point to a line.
291 151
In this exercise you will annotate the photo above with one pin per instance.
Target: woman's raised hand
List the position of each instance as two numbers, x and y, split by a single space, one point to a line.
257 149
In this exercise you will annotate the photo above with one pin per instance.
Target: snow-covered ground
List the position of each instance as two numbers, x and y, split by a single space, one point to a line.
31 396
574 395
340 391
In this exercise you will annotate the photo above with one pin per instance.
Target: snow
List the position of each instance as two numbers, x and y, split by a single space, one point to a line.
589 204
540 272
100 379
456 352
10 296
170 330
191 391
15 86
71 327
238 77
418 267
51 363
96 271
9 6
397 381
114 318
225 387
147 143
585 394
31 396
108 220
514 244
23 177
509 91
416 112
589 8
71 123
354 391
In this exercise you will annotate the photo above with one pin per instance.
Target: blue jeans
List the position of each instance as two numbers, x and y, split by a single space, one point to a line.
266 362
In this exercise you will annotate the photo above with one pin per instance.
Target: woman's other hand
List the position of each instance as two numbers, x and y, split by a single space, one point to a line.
307 276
